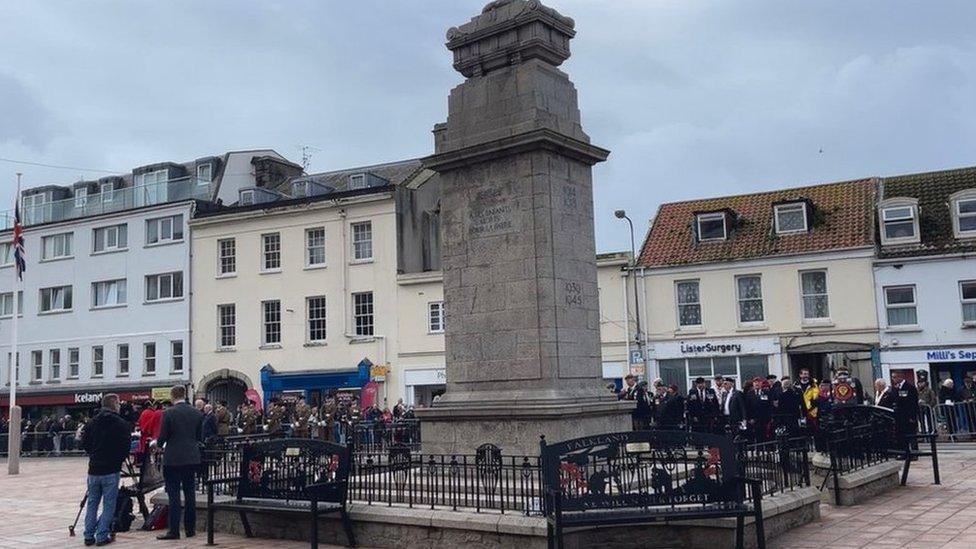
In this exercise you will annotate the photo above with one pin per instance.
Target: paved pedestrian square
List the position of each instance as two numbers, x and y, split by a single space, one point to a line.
40 503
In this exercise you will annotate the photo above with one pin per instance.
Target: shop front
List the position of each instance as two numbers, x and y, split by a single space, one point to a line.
680 362
79 403
823 356
937 363
422 385
314 385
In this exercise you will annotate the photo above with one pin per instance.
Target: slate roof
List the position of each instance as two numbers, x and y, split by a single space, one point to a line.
932 190
394 172
843 219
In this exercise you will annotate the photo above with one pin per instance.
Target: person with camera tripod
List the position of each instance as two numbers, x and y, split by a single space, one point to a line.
106 441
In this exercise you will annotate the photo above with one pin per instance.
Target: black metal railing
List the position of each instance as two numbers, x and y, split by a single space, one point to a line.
490 481
373 437
781 465
486 480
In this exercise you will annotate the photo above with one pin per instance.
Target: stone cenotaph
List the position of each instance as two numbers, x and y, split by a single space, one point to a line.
518 251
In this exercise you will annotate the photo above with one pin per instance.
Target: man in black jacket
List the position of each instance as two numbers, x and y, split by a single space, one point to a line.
702 407
735 410
788 408
906 404
106 440
180 435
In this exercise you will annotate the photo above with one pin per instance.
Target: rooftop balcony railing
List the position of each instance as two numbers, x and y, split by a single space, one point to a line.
174 190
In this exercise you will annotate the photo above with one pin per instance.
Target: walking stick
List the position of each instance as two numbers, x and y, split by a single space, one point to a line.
71 529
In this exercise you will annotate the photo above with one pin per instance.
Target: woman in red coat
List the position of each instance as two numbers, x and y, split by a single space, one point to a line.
149 422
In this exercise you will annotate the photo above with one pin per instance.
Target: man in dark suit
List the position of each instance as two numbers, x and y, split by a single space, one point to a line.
788 409
180 435
906 404
209 422
702 407
735 411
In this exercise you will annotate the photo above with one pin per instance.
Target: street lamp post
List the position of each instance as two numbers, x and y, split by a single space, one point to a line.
639 336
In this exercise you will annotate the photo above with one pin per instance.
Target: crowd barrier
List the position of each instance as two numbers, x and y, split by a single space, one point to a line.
63 443
954 422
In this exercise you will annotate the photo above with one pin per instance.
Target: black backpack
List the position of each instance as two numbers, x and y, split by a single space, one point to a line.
122 521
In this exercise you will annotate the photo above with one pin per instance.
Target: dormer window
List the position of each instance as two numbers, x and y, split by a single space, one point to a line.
711 226
791 218
108 191
81 197
247 198
204 174
899 221
299 189
963 206
357 181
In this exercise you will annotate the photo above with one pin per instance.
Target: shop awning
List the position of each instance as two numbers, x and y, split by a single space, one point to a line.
832 347
273 381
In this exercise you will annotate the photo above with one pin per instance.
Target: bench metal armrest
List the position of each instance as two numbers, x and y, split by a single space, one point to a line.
222 480
755 483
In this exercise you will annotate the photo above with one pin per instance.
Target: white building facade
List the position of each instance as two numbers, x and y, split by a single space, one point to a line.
105 301
925 275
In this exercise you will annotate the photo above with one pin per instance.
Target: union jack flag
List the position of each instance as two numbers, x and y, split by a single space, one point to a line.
18 243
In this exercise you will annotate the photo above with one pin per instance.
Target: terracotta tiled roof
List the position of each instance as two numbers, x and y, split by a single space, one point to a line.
843 219
932 190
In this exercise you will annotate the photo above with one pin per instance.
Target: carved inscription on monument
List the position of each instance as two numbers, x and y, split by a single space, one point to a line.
569 198
573 294
491 214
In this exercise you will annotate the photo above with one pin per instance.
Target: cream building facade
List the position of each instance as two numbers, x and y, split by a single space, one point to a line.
286 302
298 292
762 284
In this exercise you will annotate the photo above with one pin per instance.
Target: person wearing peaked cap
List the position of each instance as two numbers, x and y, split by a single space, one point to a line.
702 407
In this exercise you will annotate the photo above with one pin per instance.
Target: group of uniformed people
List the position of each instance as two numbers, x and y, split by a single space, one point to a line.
761 406
332 421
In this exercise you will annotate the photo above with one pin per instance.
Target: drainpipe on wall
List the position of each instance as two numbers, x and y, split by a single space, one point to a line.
188 344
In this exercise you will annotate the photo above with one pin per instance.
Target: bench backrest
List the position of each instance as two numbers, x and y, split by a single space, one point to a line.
642 469
284 468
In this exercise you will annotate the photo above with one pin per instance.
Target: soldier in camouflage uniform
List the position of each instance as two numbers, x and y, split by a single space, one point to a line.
276 414
327 416
223 419
250 419
303 413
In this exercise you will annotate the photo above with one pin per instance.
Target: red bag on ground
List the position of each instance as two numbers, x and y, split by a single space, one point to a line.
158 518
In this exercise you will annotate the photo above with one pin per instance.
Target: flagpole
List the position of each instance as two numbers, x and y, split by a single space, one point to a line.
14 426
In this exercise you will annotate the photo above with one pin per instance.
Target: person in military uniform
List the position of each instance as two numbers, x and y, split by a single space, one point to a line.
763 410
223 419
906 404
640 416
303 413
702 407
327 416
844 377
275 415
249 417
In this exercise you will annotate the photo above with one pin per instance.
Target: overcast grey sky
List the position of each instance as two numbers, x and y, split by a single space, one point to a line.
693 98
